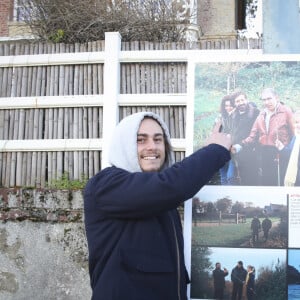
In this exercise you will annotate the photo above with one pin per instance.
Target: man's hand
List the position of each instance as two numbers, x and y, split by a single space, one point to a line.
236 148
279 145
219 138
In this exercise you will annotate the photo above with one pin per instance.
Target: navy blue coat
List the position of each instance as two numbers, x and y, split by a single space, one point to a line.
133 229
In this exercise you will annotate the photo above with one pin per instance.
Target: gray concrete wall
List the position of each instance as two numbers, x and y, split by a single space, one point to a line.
43 251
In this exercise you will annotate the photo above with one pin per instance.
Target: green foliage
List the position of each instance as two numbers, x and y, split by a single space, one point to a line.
283 228
237 207
64 182
199 272
58 36
271 283
224 204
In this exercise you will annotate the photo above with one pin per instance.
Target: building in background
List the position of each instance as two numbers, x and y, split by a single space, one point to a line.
11 25
213 19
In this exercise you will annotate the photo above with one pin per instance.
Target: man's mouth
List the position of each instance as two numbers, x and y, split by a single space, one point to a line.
242 108
149 157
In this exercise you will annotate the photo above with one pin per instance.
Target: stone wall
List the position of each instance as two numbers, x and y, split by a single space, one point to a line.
5 11
43 250
217 18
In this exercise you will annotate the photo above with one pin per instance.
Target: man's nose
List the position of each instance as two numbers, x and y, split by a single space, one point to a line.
151 144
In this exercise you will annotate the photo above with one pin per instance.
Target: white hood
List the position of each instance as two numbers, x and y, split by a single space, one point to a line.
123 147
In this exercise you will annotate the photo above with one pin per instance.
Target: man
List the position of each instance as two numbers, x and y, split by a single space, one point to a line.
255 227
266 226
245 157
238 277
133 229
219 281
274 123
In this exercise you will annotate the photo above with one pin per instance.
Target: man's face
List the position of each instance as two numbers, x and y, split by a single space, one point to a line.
241 103
218 266
269 100
150 146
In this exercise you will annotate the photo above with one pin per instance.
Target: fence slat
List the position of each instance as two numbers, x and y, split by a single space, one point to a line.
38 168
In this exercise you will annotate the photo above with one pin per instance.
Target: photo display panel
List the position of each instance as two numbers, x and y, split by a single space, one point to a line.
245 223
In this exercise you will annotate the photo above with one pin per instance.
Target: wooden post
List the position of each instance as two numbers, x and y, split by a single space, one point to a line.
111 89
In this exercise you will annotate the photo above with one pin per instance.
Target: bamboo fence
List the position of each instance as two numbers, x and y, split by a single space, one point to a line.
39 168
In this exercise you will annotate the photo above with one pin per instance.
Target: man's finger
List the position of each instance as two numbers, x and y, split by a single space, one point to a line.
217 127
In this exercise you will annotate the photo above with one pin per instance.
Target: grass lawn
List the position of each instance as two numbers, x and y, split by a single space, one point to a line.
223 235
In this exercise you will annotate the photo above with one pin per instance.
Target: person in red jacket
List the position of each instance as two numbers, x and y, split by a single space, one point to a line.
133 228
275 122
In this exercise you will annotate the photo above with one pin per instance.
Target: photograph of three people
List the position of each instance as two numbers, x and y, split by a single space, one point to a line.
240 244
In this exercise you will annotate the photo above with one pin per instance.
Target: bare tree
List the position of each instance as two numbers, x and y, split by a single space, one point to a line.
72 21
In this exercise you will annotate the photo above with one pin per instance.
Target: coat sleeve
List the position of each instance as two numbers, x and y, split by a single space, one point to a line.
118 193
253 134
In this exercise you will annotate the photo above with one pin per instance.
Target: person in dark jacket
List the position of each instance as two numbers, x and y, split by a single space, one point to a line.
255 227
133 228
227 173
238 277
246 160
219 281
266 226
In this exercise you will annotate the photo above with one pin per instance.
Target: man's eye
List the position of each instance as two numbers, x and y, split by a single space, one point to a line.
141 140
158 140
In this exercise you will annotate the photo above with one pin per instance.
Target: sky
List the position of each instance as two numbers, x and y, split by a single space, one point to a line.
294 258
261 196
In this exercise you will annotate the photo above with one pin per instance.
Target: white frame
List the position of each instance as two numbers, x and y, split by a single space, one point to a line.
217 56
